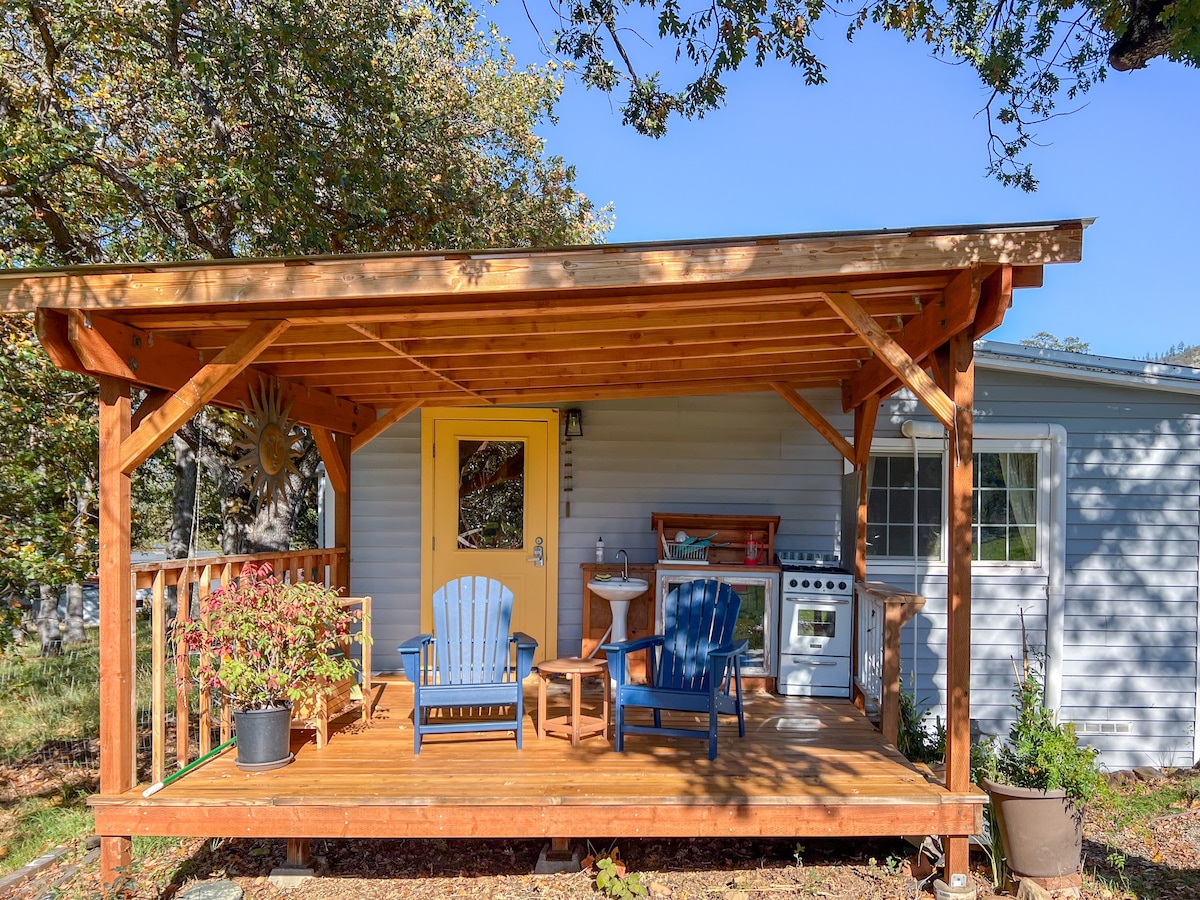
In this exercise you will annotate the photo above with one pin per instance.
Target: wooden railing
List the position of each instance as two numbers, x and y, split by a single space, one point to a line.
196 713
882 612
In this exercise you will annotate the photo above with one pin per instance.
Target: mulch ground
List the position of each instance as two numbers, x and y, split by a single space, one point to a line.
1153 860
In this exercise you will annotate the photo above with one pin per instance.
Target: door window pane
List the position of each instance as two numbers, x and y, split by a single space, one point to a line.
491 495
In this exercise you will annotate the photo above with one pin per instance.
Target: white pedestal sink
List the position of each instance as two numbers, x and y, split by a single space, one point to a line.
618 594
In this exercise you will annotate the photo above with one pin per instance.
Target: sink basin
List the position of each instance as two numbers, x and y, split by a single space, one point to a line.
618 589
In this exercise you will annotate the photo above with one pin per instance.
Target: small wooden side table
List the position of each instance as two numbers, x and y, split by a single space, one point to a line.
575 723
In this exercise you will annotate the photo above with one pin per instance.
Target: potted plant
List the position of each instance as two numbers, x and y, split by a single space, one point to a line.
265 643
1039 780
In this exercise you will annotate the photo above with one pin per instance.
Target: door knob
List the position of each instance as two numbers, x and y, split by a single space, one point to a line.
539 555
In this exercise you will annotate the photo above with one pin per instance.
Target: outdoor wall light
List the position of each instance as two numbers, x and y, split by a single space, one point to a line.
574 423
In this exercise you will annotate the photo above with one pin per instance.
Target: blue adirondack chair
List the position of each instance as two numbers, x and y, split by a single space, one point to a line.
694 664
468 662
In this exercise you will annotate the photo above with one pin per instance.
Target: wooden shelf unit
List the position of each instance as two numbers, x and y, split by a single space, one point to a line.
730 531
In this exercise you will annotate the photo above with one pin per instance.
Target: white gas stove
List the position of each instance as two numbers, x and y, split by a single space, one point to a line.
815 624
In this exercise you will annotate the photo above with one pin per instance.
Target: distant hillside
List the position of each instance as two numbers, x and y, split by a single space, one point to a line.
1187 356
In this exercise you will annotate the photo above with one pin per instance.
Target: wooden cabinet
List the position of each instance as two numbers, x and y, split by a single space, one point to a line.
597 614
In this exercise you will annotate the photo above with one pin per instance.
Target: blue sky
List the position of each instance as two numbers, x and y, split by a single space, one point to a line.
894 140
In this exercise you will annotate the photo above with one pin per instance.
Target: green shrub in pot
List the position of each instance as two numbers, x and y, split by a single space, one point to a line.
264 644
1039 780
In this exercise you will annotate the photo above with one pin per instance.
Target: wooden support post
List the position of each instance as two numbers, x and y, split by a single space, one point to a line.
118 735
960 370
299 853
864 430
341 516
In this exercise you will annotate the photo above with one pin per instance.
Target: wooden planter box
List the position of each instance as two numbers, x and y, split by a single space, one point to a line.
327 700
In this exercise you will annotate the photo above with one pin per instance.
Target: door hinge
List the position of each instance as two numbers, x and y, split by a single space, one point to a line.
434 540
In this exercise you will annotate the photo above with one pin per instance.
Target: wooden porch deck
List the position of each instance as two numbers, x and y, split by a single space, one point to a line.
805 768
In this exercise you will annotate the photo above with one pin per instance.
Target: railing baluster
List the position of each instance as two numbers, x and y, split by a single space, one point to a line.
183 613
158 678
204 715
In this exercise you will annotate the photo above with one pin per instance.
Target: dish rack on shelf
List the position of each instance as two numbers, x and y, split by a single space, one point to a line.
685 551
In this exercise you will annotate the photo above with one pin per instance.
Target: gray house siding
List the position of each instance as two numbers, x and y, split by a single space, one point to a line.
1133 537
1131 579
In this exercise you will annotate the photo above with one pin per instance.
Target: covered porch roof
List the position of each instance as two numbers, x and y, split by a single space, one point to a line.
354 335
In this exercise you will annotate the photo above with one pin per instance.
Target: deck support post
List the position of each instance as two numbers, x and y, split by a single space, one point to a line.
959 370
865 415
341 515
118 739
299 853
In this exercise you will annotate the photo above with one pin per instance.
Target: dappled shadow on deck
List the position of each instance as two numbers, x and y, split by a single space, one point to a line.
804 767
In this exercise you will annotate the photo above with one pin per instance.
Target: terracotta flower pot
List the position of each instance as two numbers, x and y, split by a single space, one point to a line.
1042 831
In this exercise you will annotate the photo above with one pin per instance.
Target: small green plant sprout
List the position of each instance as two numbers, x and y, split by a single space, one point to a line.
892 864
613 881
798 854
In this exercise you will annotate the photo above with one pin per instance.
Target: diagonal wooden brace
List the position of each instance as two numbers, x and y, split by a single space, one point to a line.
814 418
199 390
893 356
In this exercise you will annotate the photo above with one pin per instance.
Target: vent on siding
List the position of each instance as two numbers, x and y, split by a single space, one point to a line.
1103 728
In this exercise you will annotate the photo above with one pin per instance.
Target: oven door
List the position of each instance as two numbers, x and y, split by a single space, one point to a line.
815 626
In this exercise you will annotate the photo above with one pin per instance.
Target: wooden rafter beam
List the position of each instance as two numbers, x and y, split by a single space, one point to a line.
588 268
638 389
995 301
893 356
191 397
373 332
380 425
921 336
110 348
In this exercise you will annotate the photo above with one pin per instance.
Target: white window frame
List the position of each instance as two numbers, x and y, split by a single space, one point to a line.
1036 566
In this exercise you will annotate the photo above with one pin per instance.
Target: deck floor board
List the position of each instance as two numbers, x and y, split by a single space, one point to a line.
805 767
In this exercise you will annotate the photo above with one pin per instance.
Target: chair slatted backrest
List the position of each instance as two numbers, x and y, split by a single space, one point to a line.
471 616
697 616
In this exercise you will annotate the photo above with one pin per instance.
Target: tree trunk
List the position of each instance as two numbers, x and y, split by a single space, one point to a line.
183 502
75 630
47 620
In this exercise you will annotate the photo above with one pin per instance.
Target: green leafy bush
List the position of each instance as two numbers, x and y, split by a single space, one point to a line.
1041 752
264 642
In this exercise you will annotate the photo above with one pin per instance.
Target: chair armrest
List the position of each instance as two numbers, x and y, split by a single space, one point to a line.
737 648
410 655
526 646
635 644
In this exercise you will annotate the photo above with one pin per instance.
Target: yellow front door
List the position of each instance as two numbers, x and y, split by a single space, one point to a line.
490 507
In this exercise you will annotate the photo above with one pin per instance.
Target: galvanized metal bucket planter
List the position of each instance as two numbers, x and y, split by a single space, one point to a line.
1042 831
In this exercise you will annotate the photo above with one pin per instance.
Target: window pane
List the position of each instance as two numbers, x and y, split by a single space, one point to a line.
993 543
900 470
815 623
751 620
877 505
900 540
993 507
1021 470
900 507
929 541
1022 507
929 507
491 495
989 470
877 472
929 471
877 544
1022 544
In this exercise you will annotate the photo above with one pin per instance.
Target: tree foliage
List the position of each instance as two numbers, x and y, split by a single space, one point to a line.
170 129
1029 54
1047 341
48 467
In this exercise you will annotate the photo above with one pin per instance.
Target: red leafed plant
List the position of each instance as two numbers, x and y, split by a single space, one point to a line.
263 642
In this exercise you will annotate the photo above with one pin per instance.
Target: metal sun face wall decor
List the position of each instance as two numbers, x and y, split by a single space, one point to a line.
268 444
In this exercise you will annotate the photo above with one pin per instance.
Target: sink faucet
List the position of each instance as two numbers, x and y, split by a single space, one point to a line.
625 572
